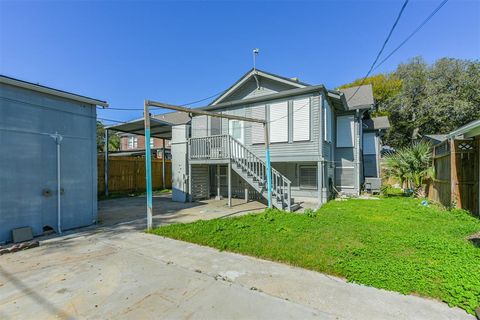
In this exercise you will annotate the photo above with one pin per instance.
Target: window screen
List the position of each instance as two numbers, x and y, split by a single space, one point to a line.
308 177
301 119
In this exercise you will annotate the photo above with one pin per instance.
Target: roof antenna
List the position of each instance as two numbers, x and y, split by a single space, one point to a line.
256 51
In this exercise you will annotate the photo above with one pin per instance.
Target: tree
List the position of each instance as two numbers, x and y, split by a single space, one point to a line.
426 99
113 143
413 165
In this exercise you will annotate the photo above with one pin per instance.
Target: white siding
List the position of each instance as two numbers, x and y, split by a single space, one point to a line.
345 131
258 112
279 122
301 119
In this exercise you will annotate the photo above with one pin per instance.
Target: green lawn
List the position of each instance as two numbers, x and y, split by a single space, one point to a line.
393 243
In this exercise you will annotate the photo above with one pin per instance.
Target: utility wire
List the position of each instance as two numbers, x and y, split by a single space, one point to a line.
383 47
413 33
182 105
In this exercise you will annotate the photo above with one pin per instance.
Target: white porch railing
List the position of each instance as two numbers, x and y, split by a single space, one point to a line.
249 166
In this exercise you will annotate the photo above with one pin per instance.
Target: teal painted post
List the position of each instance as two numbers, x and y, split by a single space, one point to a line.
267 164
148 167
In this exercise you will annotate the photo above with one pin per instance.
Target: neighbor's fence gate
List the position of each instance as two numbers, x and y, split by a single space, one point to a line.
127 174
457 172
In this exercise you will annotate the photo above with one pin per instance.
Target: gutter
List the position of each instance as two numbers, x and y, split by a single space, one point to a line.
465 129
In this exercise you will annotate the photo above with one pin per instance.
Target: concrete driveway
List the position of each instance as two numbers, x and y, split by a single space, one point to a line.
121 272
127 209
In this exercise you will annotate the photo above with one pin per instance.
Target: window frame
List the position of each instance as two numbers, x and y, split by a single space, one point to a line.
307 166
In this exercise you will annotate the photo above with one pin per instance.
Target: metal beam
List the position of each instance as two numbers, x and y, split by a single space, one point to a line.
105 150
201 112
148 167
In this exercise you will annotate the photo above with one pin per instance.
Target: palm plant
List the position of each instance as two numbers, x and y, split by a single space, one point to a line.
411 165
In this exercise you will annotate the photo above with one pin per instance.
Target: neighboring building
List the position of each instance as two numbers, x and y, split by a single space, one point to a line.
133 145
373 131
315 142
33 118
457 169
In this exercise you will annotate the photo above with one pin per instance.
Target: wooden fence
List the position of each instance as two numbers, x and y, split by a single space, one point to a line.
457 174
127 174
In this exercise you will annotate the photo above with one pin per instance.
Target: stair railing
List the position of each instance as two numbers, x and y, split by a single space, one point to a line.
220 147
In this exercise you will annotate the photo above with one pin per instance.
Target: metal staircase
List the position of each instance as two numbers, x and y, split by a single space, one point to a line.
247 165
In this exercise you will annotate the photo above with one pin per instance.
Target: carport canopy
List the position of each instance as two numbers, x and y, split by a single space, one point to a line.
158 128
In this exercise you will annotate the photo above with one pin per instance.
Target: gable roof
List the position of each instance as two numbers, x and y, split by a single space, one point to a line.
54 92
250 74
377 123
359 99
174 117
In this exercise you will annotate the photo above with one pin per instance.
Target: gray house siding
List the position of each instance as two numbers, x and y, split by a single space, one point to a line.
281 151
250 90
28 161
347 160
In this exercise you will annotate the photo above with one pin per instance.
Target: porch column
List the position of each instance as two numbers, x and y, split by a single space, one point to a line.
219 195
229 184
105 150
164 184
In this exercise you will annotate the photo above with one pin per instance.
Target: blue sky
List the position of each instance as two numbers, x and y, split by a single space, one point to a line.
176 52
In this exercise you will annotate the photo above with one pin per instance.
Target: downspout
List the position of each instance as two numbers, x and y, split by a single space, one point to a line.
58 140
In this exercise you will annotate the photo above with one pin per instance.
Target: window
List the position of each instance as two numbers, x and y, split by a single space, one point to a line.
308 177
301 119
279 122
369 143
327 122
151 142
345 132
236 130
132 142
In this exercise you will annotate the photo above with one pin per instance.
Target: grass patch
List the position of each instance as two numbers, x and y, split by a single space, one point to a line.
393 243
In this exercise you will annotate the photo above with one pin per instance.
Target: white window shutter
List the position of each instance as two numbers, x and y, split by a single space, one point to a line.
327 122
345 131
279 122
258 112
301 119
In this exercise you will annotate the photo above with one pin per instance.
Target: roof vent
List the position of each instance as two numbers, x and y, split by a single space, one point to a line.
295 79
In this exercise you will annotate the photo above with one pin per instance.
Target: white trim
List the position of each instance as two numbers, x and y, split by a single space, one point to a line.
465 130
51 91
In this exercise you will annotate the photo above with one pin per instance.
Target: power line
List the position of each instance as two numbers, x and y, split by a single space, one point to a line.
181 105
383 47
413 33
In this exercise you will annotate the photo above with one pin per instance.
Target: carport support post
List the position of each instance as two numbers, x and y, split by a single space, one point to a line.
164 184
267 164
148 166
105 150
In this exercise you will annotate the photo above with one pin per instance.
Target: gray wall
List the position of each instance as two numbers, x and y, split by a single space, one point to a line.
28 161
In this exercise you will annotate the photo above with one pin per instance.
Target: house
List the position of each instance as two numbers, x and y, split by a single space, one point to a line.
373 131
315 142
48 163
134 145
457 169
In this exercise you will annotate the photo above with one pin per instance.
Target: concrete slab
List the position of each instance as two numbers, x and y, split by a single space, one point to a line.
118 272
165 210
